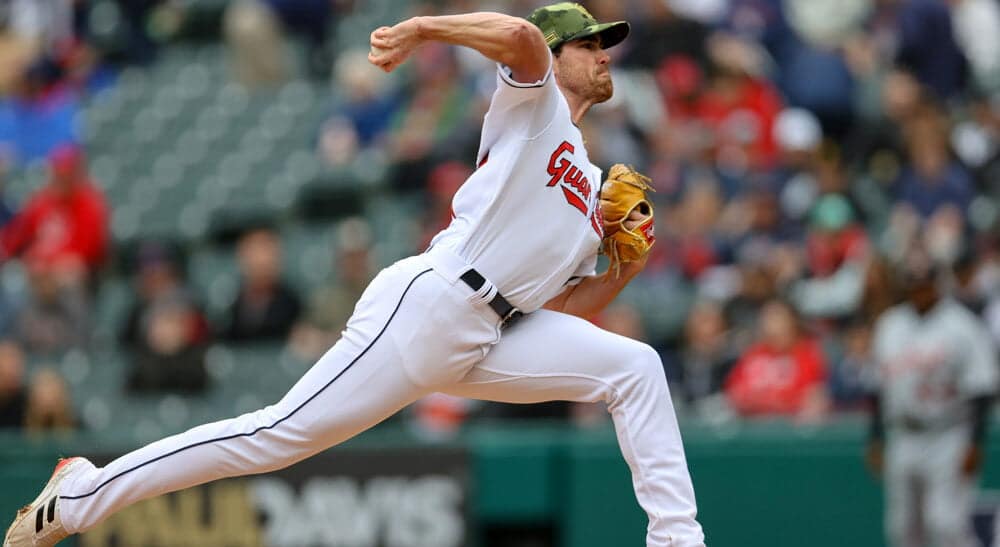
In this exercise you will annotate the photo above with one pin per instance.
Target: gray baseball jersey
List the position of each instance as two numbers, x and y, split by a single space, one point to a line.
929 366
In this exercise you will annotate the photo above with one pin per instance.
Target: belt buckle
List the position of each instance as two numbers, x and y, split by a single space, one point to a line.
512 316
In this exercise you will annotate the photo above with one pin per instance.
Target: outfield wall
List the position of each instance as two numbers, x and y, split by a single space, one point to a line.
760 485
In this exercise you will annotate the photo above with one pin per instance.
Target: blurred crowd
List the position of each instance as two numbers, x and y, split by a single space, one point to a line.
799 150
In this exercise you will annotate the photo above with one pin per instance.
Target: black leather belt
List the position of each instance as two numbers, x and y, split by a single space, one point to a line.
912 424
508 313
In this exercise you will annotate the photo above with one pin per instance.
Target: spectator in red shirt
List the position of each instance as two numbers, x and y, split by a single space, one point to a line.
64 225
738 105
782 373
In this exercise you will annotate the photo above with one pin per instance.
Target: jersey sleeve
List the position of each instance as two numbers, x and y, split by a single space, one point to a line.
980 374
525 107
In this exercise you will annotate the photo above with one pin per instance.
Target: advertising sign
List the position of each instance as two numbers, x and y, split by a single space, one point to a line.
414 497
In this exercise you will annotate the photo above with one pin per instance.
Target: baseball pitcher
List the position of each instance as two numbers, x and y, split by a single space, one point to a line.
494 309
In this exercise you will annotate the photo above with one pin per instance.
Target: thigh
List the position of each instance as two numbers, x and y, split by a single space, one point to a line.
437 333
553 356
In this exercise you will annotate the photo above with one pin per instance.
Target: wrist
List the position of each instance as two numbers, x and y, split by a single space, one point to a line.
632 269
419 25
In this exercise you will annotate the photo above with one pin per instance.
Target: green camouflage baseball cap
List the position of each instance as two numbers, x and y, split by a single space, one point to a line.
567 21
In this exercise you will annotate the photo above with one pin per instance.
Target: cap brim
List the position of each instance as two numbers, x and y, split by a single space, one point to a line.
611 34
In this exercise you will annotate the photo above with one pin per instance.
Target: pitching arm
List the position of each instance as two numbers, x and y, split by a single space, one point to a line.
510 41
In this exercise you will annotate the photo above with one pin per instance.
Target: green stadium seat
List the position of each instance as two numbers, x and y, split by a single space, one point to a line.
213 274
308 253
111 305
96 413
75 367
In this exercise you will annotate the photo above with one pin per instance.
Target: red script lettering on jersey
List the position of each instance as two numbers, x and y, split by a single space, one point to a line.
574 185
562 170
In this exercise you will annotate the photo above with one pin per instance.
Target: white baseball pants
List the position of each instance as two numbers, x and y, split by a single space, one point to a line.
928 500
419 329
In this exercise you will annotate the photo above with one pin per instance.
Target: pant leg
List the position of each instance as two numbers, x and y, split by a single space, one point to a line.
903 493
553 356
358 383
949 496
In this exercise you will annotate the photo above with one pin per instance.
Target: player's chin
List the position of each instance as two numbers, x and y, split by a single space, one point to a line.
603 91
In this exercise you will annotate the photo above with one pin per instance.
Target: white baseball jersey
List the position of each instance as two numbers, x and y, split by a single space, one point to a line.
930 366
529 218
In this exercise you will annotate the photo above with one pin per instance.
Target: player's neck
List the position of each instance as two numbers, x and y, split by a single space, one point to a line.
578 106
579 112
925 307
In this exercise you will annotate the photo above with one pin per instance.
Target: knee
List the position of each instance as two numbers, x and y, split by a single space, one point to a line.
644 369
646 361
270 427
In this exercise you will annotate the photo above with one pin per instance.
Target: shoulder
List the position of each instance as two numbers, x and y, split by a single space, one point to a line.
527 108
506 78
506 74
953 312
511 91
892 317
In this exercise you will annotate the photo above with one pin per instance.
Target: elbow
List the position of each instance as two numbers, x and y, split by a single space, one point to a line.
529 38
526 35
526 52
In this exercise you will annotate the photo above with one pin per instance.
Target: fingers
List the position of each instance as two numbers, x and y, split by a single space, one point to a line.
378 61
634 220
389 48
378 58
380 49
384 38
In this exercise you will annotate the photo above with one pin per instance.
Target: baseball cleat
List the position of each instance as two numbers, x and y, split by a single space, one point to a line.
38 524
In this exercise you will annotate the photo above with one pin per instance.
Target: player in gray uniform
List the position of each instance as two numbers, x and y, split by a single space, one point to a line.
936 375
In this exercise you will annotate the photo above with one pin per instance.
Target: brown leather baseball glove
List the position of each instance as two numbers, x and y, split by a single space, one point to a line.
623 195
